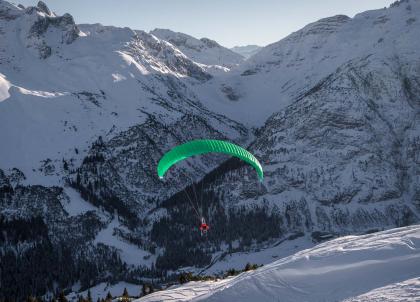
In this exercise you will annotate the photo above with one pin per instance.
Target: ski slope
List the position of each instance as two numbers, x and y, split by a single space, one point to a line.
351 268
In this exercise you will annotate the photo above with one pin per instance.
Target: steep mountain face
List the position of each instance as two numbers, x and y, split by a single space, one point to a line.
340 159
86 111
105 81
118 168
246 51
76 101
204 50
287 69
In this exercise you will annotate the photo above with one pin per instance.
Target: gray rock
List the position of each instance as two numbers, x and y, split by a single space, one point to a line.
44 8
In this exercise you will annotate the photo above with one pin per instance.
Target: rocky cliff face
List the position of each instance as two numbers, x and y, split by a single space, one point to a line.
40 28
204 50
292 66
341 159
339 140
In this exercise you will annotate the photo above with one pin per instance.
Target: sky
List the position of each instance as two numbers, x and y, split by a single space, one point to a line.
229 22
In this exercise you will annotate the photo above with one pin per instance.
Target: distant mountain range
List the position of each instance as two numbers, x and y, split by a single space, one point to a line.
246 51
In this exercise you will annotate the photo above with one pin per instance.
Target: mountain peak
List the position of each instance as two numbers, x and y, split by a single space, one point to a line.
204 50
42 30
210 43
44 8
325 25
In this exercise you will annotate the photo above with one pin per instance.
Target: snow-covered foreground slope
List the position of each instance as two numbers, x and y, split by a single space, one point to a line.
351 267
101 290
405 291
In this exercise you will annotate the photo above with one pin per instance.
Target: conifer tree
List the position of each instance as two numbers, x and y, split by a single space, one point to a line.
108 297
30 299
89 296
62 297
125 293
80 299
125 297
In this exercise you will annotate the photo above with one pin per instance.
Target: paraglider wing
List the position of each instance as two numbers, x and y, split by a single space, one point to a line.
202 146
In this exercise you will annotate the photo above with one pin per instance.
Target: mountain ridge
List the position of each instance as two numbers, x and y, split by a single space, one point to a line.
247 51
204 50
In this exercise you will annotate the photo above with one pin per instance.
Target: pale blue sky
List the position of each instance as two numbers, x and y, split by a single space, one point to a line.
229 22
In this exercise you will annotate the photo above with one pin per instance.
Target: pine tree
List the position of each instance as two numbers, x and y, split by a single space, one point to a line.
62 297
247 267
80 299
125 297
65 165
89 296
108 297
125 293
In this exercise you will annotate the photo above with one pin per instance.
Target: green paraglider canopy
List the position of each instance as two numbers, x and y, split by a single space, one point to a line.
202 146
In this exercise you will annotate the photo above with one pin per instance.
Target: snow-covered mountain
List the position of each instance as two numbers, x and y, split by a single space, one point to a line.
62 94
86 111
204 50
68 91
246 51
286 70
384 266
340 158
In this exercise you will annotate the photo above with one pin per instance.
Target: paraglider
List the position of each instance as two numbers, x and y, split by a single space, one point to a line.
204 227
203 146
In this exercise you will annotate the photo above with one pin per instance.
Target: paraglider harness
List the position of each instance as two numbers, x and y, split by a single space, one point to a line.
204 227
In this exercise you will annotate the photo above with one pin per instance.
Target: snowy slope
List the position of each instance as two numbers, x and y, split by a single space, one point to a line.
129 253
345 268
204 51
101 290
60 94
405 291
261 256
285 70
